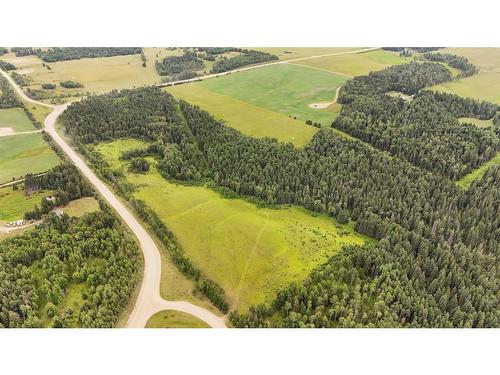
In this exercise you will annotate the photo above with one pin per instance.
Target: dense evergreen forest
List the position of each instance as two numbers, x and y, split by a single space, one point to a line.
436 264
8 99
425 130
180 67
247 57
40 267
76 53
3 51
90 260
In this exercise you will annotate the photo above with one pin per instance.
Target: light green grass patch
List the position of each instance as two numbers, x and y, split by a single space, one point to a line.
14 203
250 251
23 154
82 206
357 64
466 181
477 122
174 319
285 88
16 119
249 119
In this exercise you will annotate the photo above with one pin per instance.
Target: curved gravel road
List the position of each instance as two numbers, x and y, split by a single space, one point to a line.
149 300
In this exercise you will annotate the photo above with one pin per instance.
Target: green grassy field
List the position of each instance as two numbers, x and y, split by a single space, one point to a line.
250 251
482 86
479 123
247 118
13 203
16 119
82 206
23 154
288 53
356 64
285 88
466 181
174 319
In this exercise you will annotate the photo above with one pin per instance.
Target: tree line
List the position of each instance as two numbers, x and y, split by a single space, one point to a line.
247 57
458 62
425 131
8 98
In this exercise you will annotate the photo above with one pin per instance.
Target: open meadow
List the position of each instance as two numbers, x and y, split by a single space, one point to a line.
15 119
24 153
482 86
273 101
249 119
289 53
249 250
174 319
356 64
14 203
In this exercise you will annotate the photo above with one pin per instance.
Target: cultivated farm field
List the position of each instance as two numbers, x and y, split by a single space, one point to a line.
482 86
248 118
273 101
356 64
24 153
16 119
250 251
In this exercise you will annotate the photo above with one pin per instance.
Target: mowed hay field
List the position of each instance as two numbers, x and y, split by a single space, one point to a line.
24 153
174 319
16 119
272 101
289 53
356 64
250 251
14 203
484 85
247 118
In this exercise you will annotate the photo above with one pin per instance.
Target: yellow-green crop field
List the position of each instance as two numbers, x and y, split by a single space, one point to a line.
16 119
481 86
356 64
25 153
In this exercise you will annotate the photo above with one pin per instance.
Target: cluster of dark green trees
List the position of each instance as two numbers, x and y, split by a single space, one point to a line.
8 98
7 66
425 131
76 53
180 67
247 57
71 84
67 183
458 62
25 51
436 262
3 51
39 267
